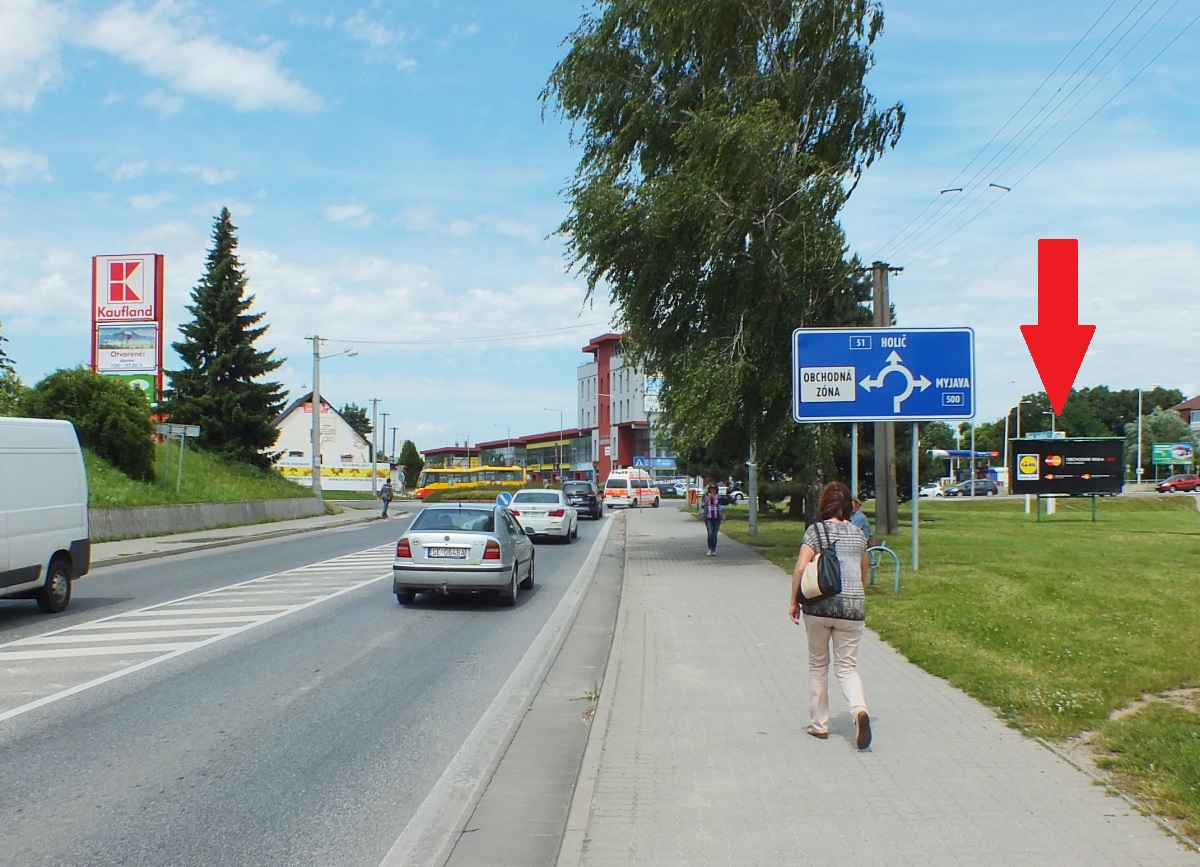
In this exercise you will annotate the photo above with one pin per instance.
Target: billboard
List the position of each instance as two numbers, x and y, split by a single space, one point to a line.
1068 466
1172 453
127 319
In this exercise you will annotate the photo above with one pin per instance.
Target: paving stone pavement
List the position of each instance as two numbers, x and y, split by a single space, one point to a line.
698 753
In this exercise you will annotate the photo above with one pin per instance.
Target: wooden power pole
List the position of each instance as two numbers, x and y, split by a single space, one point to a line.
887 520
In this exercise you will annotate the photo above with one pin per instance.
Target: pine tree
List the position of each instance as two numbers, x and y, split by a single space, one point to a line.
219 387
10 384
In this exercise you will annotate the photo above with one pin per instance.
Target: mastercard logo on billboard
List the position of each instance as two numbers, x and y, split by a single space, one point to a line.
1054 460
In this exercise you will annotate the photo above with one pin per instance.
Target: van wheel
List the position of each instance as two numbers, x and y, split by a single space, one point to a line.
656 502
55 594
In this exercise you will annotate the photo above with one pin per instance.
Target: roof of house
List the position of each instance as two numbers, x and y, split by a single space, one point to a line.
301 401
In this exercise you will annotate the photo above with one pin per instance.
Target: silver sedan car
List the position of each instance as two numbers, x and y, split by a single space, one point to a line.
463 548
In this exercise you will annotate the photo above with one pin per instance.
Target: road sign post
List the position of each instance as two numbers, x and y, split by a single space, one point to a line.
884 375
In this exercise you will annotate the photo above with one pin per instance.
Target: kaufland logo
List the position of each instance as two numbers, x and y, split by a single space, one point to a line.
125 312
125 288
121 281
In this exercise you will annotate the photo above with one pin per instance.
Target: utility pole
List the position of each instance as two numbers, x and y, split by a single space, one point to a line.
374 444
393 443
384 429
887 520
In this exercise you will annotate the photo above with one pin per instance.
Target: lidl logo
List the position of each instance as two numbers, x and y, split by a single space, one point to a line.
1027 468
120 282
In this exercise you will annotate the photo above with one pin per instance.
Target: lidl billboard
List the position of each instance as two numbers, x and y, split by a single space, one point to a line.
1068 466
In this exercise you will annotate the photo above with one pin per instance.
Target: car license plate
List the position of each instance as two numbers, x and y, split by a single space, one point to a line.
447 553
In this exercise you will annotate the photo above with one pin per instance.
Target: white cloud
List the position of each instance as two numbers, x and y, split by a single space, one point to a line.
166 104
383 43
30 33
197 64
354 214
209 175
129 170
150 201
17 165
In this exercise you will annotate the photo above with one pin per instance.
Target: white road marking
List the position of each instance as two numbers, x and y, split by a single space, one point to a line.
214 615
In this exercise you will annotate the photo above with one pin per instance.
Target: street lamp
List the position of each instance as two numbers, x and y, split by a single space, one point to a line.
508 455
316 408
1139 454
560 437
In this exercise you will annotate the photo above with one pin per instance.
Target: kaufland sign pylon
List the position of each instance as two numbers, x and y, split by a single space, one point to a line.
127 319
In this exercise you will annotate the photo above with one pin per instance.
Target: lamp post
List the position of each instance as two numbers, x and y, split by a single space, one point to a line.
508 455
560 437
1139 454
394 443
1051 414
385 429
374 444
316 408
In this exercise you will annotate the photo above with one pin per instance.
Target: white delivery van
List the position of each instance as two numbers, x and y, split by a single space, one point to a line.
630 488
44 541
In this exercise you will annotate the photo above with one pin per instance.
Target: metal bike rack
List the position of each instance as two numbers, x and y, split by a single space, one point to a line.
876 554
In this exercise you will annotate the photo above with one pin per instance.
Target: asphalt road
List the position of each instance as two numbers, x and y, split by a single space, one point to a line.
302 734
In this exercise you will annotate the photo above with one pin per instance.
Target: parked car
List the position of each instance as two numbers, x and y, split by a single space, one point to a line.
585 497
1178 482
983 488
933 489
545 512
463 548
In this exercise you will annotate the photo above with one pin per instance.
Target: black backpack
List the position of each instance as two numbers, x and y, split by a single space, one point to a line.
822 577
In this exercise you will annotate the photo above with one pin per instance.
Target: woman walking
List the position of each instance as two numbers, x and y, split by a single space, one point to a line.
838 620
712 510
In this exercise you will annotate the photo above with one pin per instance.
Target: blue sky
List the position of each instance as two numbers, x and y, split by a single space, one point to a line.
396 187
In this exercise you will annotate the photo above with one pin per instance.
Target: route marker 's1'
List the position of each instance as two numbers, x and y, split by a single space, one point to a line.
883 374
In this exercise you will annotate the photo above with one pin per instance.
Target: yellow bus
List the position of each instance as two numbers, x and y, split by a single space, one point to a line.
475 477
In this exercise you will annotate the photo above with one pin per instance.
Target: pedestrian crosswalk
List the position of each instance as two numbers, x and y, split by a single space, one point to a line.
43 668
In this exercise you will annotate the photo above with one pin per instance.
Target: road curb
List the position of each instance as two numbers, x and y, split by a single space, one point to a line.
225 542
570 853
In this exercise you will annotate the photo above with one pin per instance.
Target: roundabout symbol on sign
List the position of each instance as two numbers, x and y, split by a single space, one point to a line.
893 364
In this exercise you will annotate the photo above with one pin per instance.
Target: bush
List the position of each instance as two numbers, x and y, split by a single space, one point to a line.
112 419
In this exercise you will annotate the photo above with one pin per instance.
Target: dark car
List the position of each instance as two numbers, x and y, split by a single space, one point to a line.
983 488
585 497
1178 482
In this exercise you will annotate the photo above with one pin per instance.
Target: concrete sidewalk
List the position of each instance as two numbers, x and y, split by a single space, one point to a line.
150 547
698 753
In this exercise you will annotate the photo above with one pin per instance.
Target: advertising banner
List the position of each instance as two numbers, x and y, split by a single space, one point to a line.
146 382
1172 453
132 347
1068 466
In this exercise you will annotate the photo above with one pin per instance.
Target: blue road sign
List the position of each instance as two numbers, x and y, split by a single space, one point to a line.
641 463
883 374
504 498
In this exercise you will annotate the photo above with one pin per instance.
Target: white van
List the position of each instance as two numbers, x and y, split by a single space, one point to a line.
44 540
630 488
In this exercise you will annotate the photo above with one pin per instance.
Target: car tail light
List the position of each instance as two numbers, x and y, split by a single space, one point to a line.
403 549
557 513
492 551
514 512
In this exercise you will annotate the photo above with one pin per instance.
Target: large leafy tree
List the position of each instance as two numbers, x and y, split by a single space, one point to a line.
411 460
112 419
719 140
220 386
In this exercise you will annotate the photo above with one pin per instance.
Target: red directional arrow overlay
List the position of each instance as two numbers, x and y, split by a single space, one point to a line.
1058 342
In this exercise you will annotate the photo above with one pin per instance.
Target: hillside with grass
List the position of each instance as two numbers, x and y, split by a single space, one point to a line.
207 478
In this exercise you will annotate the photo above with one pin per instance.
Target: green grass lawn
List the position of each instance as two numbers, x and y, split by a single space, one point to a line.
1056 624
206 479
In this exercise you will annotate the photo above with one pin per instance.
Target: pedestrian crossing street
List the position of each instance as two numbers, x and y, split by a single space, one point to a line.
44 668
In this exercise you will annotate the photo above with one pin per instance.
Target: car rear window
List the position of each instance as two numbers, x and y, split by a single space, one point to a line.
577 488
536 497
616 484
458 520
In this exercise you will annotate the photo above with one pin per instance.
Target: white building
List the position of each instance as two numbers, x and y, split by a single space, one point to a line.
345 453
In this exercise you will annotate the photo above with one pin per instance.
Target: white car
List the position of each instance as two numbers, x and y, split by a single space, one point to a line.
933 489
545 512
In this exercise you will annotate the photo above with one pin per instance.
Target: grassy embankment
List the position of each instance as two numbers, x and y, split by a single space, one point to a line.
1072 630
206 479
